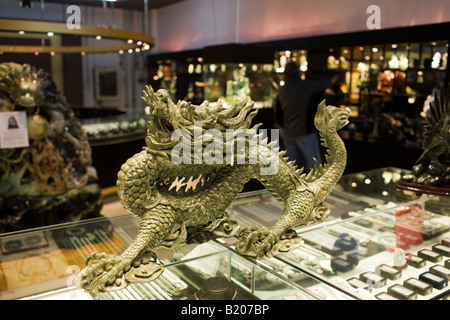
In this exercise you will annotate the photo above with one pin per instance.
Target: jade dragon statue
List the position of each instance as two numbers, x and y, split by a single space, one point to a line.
52 180
181 198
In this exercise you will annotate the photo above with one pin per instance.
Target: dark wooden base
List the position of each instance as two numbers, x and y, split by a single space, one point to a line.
420 188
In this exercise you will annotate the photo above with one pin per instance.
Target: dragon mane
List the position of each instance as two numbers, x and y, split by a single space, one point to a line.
166 117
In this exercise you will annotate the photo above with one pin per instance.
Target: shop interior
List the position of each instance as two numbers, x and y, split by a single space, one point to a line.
87 65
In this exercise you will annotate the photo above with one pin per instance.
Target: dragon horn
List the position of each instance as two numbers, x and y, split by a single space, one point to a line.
149 97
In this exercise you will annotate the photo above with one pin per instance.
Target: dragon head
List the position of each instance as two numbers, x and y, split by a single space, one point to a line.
166 117
330 117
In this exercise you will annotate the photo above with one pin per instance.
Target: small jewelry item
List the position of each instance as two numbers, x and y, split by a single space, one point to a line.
400 262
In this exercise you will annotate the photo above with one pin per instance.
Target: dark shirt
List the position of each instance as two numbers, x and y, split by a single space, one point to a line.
293 99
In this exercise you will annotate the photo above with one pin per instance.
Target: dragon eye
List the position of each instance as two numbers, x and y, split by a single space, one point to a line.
161 94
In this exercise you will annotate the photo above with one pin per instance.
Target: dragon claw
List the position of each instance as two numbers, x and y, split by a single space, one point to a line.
257 242
105 272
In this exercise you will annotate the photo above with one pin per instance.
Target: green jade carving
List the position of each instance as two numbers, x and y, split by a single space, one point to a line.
186 203
52 180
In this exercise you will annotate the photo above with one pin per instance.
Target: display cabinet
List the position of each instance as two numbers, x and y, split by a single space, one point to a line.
41 260
115 130
388 86
387 77
211 272
106 135
44 263
233 72
181 74
393 252
233 82
377 243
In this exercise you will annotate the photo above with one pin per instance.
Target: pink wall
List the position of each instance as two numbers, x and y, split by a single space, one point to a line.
193 24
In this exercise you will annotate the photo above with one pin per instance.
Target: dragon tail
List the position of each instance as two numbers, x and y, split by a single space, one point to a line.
323 177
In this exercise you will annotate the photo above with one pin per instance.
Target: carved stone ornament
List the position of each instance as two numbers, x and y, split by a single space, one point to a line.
51 180
431 173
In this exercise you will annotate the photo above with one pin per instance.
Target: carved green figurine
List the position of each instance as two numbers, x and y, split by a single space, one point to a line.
196 160
52 180
431 173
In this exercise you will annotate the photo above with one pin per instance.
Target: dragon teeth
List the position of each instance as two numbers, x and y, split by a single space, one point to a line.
183 182
192 184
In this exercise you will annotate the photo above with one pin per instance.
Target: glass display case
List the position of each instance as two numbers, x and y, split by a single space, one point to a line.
115 129
43 264
233 82
395 252
180 74
233 72
107 134
390 86
377 243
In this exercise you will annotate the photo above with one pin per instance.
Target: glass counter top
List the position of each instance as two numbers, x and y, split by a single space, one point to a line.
43 263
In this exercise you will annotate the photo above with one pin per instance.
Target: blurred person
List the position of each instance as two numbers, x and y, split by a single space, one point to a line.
294 115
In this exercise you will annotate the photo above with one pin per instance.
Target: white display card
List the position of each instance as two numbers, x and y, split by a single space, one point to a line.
13 130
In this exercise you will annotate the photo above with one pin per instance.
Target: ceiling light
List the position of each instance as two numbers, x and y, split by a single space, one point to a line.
98 37
50 34
128 38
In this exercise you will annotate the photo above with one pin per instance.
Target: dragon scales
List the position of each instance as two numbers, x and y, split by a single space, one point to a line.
180 202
